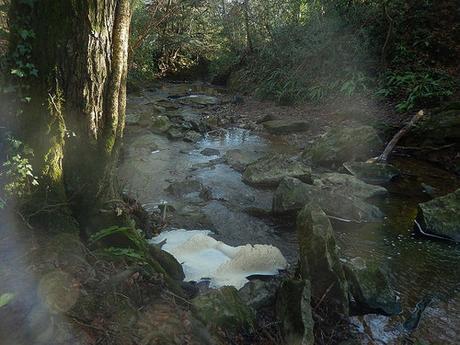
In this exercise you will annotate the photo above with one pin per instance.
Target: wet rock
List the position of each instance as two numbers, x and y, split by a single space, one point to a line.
175 134
199 100
370 289
223 309
271 169
192 137
239 160
259 294
340 145
145 142
294 312
319 260
375 173
210 152
186 187
440 216
292 194
285 126
160 124
348 185
374 329
445 330
166 104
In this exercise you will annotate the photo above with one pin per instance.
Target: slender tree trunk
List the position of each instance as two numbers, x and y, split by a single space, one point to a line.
75 118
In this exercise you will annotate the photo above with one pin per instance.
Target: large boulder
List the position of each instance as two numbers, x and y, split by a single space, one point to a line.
348 185
441 216
294 313
285 126
223 309
370 289
292 194
340 145
319 260
271 169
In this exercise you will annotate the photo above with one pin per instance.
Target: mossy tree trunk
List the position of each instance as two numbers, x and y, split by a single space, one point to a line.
75 117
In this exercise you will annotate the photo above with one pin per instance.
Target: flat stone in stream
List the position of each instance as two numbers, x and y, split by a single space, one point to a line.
285 126
210 152
340 145
441 216
348 185
199 100
271 169
292 194
239 160
375 173
175 134
192 137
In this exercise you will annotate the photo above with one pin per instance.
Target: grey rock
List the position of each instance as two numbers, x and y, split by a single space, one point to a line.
294 313
192 137
370 289
441 216
292 194
210 152
340 145
319 259
259 294
160 124
348 185
223 309
271 169
375 173
239 160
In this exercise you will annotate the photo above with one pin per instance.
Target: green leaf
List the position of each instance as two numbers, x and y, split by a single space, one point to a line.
6 298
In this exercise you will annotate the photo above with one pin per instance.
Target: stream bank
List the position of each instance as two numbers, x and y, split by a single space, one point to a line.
183 158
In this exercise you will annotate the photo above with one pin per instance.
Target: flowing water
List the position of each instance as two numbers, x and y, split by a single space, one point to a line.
239 214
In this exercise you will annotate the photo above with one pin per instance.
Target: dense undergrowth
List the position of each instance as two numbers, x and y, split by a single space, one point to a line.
298 50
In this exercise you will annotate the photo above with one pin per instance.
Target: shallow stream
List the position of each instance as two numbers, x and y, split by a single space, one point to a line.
239 214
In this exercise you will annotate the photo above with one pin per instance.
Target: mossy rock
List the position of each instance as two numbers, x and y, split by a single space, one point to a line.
271 169
319 260
160 124
340 145
370 288
224 309
440 216
294 313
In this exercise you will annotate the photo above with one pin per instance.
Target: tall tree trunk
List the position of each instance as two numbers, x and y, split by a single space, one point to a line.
75 118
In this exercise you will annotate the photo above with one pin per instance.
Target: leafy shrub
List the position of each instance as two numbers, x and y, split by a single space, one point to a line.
17 172
416 88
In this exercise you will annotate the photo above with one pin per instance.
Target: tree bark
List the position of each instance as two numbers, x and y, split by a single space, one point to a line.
75 118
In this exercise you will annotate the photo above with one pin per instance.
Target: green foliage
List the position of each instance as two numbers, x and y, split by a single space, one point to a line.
17 172
6 298
417 88
133 245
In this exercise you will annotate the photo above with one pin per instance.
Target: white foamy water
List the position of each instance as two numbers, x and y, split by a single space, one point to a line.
204 258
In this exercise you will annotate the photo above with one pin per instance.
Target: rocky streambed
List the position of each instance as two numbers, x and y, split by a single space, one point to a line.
246 179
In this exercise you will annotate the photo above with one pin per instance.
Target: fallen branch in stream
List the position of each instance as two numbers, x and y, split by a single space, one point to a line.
393 142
